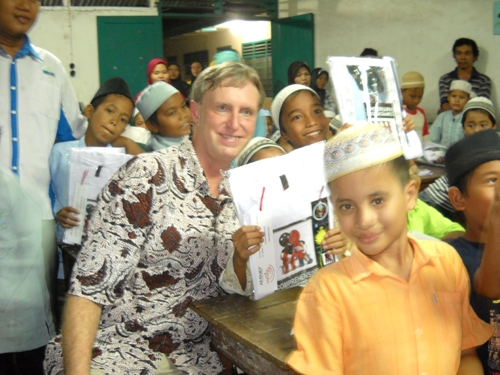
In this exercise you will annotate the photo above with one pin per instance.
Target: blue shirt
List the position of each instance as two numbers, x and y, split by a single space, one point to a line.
37 105
447 129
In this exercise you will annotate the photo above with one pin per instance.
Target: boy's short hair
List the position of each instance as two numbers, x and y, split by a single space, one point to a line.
290 91
360 147
466 155
412 80
480 104
466 42
237 73
116 85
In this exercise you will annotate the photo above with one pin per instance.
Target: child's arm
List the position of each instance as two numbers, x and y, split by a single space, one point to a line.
65 217
131 147
470 363
487 276
436 129
334 242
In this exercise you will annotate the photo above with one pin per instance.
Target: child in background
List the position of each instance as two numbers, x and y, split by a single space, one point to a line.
396 305
447 129
478 115
137 131
412 88
473 166
108 114
166 114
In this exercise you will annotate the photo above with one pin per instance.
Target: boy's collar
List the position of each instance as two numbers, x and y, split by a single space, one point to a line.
363 266
26 50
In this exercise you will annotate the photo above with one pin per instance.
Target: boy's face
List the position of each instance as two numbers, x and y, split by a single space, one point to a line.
457 99
108 120
477 121
139 121
266 153
371 206
412 97
174 118
196 69
304 122
16 17
477 201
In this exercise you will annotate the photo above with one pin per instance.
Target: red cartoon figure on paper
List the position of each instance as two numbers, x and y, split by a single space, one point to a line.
287 254
298 247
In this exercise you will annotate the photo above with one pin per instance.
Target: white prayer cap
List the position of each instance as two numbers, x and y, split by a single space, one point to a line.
255 144
153 97
461 85
280 98
359 147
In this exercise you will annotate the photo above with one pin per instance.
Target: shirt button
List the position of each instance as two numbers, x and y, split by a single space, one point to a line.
13 112
12 87
419 331
423 373
14 139
14 168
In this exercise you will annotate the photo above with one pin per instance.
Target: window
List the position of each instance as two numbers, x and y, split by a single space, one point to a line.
258 55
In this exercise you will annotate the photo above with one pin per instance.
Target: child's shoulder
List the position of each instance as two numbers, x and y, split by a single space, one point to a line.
61 147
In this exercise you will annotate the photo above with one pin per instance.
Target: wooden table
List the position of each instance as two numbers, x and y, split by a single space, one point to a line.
429 179
254 335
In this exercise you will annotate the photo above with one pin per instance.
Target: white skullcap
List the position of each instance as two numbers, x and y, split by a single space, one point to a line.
280 98
153 97
461 85
359 147
255 144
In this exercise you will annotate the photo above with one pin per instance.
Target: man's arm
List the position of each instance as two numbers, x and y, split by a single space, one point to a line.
81 320
470 363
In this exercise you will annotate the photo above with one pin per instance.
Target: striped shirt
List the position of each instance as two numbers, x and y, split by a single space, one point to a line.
481 84
436 195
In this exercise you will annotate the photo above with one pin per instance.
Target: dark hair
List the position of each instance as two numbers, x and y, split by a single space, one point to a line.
316 73
369 52
289 97
466 42
294 68
98 101
463 181
492 119
154 118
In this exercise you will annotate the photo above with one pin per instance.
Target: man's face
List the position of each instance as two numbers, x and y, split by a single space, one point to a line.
464 57
17 17
224 122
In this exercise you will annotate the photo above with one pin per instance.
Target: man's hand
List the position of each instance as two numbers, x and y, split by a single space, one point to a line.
66 218
246 241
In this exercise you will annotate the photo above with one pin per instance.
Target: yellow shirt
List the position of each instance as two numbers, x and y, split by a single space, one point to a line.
356 317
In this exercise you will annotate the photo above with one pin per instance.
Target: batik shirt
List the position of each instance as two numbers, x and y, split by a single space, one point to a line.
157 241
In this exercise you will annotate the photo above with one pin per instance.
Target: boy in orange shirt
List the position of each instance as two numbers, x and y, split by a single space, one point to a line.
397 305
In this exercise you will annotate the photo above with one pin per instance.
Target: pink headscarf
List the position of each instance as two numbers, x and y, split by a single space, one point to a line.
152 65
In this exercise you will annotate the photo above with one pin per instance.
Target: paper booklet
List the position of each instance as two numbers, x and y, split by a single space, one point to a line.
287 197
367 91
90 169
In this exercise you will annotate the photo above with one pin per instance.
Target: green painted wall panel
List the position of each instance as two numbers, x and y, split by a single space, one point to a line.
292 39
126 45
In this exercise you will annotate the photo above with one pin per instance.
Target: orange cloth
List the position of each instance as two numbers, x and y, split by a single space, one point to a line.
356 317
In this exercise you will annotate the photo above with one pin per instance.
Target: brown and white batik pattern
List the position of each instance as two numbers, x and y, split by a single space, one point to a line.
157 241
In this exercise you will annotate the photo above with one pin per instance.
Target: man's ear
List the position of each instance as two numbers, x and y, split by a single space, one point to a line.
194 107
411 195
89 111
456 198
152 127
